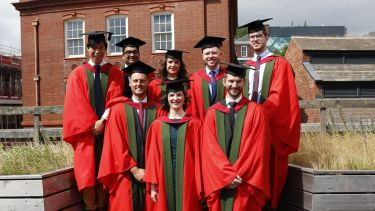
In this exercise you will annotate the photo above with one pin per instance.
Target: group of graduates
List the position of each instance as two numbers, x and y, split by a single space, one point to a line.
217 139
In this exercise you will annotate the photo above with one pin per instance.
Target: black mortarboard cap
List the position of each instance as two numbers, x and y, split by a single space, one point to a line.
176 85
138 67
130 42
209 42
174 54
236 70
255 26
97 36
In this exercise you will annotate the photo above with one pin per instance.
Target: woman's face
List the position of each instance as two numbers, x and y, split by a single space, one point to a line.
176 100
173 66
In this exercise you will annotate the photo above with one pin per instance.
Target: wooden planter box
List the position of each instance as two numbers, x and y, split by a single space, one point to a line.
54 190
321 190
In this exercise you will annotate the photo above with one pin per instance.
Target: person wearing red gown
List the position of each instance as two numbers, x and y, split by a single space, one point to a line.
122 165
130 54
85 111
235 150
206 84
271 83
173 153
172 67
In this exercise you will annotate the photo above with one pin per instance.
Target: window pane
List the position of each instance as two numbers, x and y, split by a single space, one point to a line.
169 27
74 41
117 25
162 27
162 18
163 31
168 19
340 91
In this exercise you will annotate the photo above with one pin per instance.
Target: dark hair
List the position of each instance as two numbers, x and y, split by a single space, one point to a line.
163 73
137 47
91 43
164 101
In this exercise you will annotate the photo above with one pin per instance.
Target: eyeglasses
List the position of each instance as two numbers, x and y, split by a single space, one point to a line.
255 36
128 53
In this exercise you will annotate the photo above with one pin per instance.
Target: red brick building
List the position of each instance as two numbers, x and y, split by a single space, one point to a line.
51 44
333 68
10 85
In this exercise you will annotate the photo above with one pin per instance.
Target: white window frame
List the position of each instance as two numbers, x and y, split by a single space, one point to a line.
243 49
155 48
79 37
113 41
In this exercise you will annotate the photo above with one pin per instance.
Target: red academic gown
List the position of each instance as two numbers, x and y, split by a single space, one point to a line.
79 116
155 94
117 158
285 122
252 164
155 172
200 97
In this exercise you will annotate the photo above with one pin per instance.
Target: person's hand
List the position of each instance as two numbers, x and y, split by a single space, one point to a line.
138 173
98 127
154 193
235 183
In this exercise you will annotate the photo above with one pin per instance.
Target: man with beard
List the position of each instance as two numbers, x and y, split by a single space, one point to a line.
235 150
89 89
206 86
130 54
122 167
271 84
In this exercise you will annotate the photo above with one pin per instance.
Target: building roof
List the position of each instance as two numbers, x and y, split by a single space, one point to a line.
279 31
335 43
341 72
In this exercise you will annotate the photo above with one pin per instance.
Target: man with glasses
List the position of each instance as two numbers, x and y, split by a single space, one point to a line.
270 82
130 54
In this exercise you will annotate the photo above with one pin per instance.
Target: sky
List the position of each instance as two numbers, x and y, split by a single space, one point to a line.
358 16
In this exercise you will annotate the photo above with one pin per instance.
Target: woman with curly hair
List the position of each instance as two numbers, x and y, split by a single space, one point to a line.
171 68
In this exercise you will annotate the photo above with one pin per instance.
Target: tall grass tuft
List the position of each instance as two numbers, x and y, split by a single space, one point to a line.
35 158
337 151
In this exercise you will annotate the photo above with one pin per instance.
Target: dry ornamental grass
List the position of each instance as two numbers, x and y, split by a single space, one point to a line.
35 158
347 151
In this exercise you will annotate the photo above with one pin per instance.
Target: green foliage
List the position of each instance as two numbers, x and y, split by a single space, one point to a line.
35 158
241 32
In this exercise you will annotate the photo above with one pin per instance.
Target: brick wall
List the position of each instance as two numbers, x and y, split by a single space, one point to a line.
306 87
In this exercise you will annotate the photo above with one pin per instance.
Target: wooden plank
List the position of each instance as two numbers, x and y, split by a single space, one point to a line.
334 102
20 188
77 207
343 202
29 133
331 172
297 198
32 185
21 204
58 183
344 184
300 180
288 207
62 200
31 110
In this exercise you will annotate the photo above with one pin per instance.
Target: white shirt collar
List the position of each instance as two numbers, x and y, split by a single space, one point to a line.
217 68
228 99
92 63
262 55
137 101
